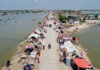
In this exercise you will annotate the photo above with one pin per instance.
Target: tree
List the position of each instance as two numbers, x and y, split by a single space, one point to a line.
96 16
62 18
69 11
4 13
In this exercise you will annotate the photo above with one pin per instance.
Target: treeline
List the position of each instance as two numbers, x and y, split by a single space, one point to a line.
5 12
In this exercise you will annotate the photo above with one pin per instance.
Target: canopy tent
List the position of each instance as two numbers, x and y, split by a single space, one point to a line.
33 54
61 35
34 35
81 63
29 46
67 39
62 47
70 47
37 31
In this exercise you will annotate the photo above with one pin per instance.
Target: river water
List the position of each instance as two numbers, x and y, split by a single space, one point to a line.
90 39
13 29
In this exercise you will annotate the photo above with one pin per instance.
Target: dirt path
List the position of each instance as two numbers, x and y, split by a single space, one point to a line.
49 58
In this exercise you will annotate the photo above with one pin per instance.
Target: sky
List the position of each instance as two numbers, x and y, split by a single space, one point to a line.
49 4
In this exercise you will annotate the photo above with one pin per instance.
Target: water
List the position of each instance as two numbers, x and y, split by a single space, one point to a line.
91 12
13 29
90 39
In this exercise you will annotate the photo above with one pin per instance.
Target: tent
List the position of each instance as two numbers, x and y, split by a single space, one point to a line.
70 47
81 63
63 35
62 47
34 35
33 31
33 54
37 31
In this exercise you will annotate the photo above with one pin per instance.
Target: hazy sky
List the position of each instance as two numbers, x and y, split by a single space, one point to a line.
49 4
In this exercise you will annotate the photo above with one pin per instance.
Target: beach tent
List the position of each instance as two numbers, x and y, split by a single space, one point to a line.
34 35
81 63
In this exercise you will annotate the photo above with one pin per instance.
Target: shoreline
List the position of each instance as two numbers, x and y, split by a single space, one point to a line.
14 54
73 29
19 48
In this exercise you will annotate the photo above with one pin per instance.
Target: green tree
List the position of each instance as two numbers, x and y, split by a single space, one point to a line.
96 16
4 13
62 18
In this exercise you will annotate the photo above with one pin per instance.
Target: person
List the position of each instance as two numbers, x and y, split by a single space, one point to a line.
27 67
39 53
64 60
8 64
38 60
43 45
49 46
45 31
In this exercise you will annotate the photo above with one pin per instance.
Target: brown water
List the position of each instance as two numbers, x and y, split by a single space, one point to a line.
90 39
13 29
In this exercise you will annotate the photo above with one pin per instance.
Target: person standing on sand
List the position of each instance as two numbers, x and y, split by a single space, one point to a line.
43 45
38 60
49 46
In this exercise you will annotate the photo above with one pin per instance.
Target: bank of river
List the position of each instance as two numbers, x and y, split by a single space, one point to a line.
13 29
90 39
